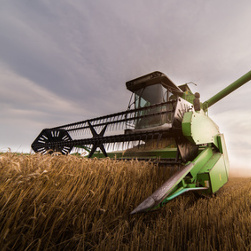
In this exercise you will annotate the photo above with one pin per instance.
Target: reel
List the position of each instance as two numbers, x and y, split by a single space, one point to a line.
47 140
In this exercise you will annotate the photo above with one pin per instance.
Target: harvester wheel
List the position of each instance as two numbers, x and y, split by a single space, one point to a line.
52 140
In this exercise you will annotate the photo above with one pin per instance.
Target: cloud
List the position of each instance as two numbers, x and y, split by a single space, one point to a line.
26 108
64 61
23 94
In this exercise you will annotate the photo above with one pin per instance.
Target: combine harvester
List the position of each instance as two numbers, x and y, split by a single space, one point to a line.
163 123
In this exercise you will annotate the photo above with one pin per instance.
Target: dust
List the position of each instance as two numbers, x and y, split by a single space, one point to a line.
240 172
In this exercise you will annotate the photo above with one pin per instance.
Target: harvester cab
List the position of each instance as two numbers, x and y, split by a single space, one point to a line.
163 123
149 90
160 105
152 89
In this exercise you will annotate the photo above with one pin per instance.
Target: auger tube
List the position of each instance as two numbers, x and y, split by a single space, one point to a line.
232 87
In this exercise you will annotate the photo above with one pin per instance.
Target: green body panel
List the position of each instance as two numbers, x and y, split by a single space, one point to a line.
218 175
214 174
204 177
186 125
223 150
210 163
199 129
188 96
201 161
167 152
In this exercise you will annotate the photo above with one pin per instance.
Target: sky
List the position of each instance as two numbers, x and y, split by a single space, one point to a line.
68 60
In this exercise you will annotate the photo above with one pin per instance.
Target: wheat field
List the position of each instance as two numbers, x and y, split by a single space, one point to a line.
74 203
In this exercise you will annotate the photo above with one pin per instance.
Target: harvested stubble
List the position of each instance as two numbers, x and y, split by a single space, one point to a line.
71 203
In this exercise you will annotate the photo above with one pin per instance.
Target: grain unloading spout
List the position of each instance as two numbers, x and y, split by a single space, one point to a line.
223 93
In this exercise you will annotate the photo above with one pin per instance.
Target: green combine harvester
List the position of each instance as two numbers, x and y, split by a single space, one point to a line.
164 123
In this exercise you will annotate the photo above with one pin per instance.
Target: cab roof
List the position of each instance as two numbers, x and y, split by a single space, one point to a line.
153 78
